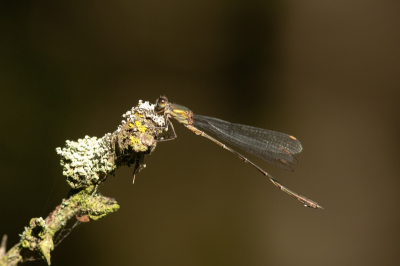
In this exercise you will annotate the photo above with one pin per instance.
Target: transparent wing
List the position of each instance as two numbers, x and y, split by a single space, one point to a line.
274 147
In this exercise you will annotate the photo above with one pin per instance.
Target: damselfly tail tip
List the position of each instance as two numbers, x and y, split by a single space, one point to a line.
314 206
309 203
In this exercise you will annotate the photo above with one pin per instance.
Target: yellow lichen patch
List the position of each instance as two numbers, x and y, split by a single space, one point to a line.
130 125
134 141
140 127
137 145
139 115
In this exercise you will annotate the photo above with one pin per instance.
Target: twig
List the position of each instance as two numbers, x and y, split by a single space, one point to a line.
86 164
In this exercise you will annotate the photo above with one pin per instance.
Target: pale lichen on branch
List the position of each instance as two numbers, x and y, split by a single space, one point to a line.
86 164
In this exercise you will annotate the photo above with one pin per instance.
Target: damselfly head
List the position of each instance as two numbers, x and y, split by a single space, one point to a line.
161 103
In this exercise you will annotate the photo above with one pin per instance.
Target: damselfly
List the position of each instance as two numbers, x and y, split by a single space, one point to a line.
273 147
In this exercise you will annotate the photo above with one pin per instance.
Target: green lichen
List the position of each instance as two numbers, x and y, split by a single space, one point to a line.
37 237
12 257
97 207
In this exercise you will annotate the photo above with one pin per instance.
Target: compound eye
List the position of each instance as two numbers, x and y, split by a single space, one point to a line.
161 102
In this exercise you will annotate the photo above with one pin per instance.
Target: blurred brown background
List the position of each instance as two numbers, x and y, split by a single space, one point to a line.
324 71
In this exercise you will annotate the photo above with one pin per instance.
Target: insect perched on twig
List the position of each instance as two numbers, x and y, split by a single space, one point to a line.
273 147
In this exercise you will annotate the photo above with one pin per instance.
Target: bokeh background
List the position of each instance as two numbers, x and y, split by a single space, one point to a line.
327 72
